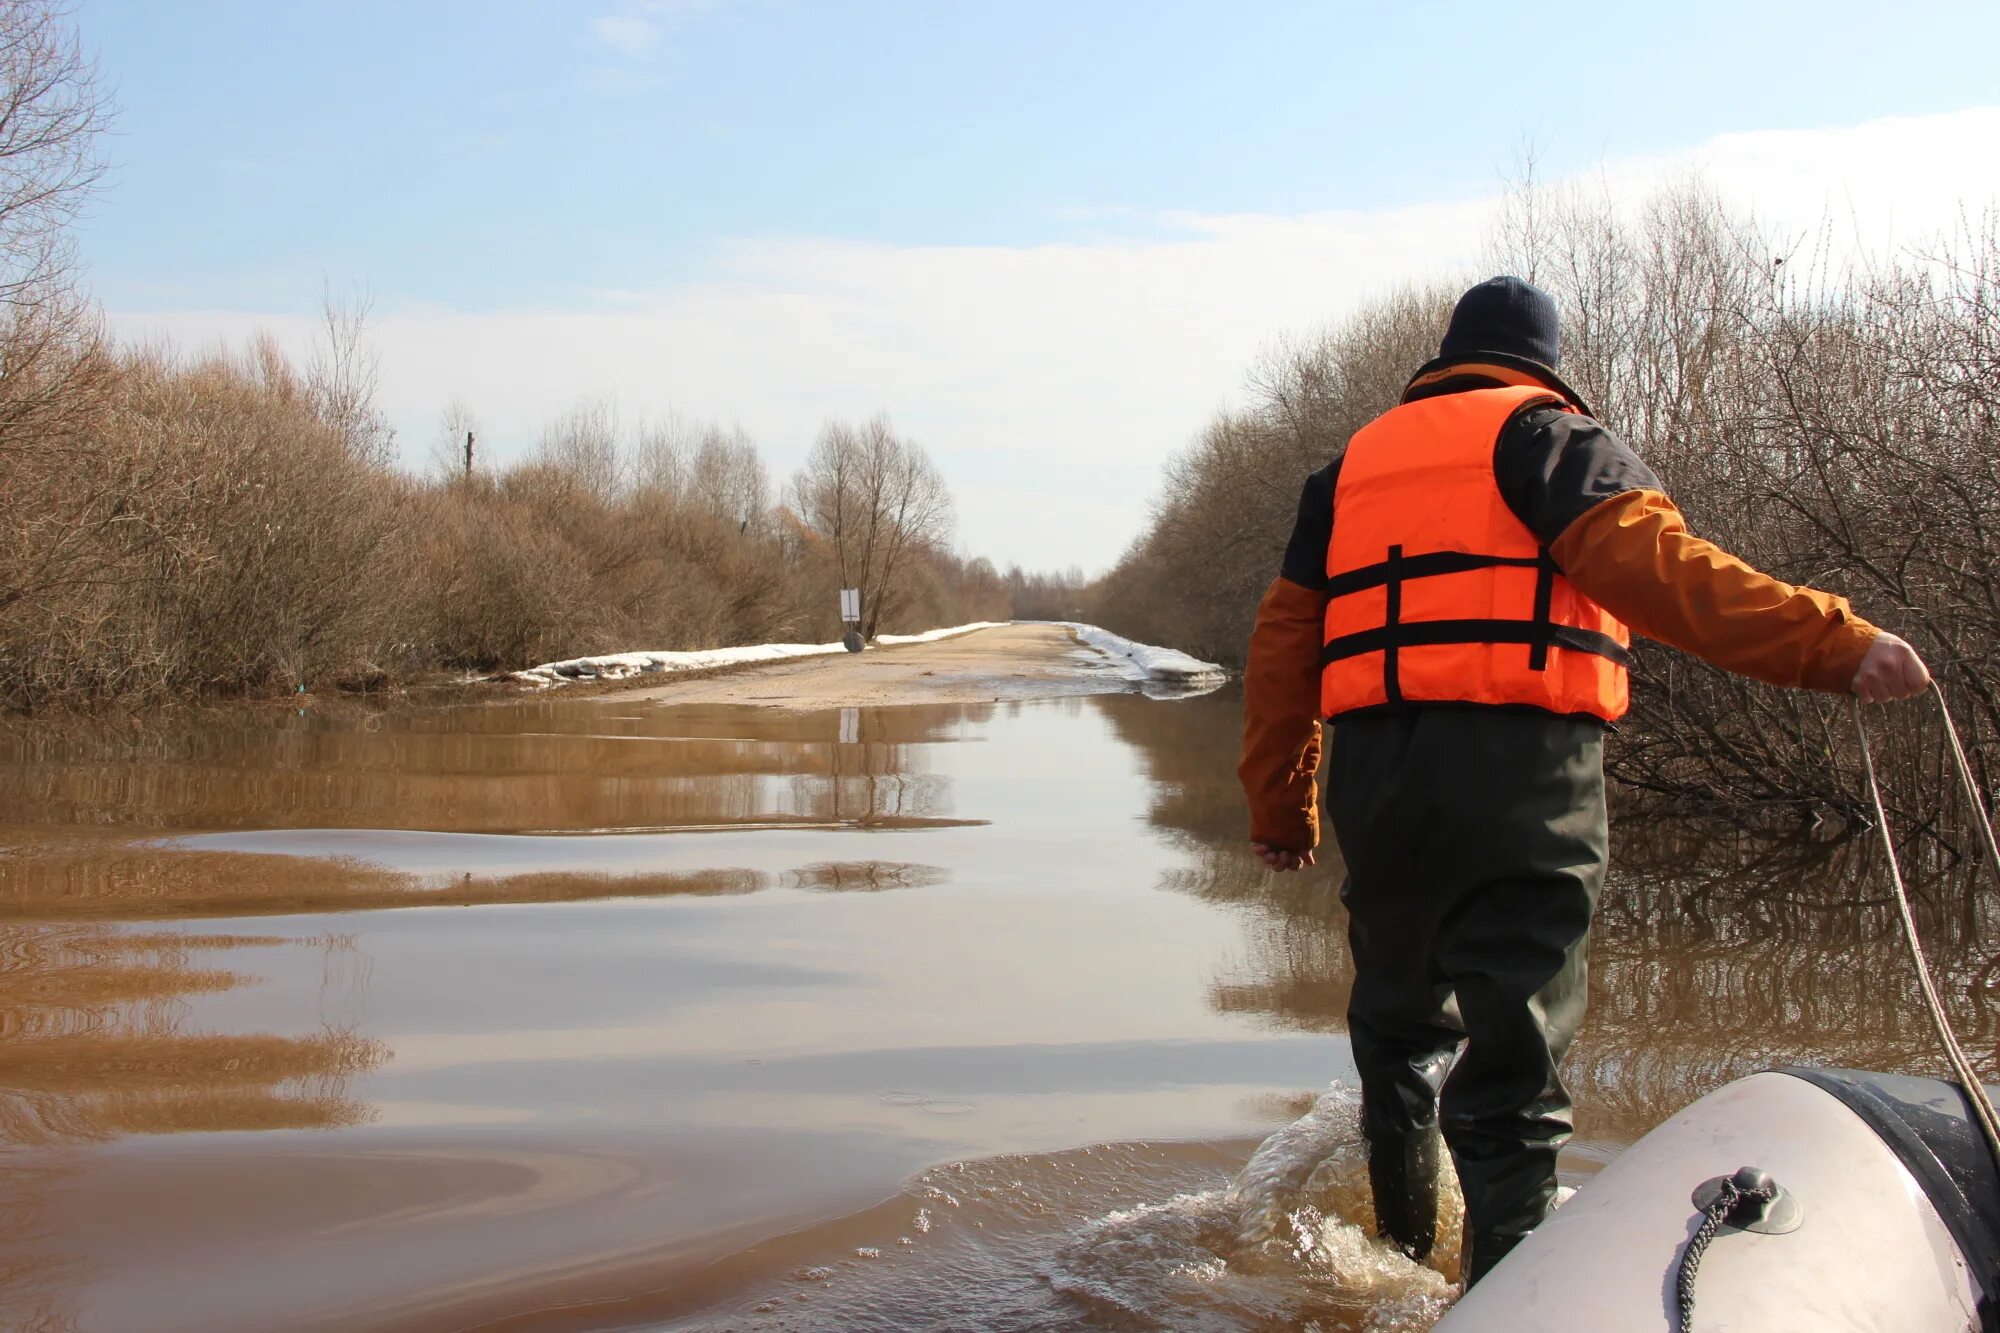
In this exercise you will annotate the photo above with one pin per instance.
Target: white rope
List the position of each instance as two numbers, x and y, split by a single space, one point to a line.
1965 778
1975 1092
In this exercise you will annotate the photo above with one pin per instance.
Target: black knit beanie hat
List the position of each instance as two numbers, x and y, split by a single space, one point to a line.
1508 316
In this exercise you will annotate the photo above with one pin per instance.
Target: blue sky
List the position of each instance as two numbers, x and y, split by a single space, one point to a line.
524 175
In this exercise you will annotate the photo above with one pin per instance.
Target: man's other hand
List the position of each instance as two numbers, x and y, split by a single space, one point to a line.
1279 858
1891 670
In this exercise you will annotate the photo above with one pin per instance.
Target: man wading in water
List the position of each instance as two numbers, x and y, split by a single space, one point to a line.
1456 598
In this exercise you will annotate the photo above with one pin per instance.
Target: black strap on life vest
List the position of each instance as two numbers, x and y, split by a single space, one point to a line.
1538 634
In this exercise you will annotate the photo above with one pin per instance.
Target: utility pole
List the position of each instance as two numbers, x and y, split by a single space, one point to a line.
468 455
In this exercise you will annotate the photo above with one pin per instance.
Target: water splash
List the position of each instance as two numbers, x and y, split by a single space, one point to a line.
1290 1241
1130 1236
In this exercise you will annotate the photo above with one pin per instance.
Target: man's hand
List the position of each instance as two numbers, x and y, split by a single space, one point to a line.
1891 670
1279 858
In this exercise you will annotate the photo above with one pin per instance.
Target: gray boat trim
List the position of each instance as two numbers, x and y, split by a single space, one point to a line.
1928 1124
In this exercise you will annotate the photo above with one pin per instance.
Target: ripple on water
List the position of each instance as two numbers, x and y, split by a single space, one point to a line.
1117 1236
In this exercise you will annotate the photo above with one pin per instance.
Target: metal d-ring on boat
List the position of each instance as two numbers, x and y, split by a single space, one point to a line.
1795 1199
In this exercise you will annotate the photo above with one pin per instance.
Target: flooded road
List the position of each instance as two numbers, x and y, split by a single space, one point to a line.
579 1013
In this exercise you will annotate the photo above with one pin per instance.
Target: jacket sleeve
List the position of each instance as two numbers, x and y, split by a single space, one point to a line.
1281 723
1633 554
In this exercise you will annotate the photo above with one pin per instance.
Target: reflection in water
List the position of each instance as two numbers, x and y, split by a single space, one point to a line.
71 878
1721 956
540 765
96 1043
1715 953
35 1274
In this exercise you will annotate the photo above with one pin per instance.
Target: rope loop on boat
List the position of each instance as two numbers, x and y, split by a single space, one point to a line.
1968 1077
1730 1197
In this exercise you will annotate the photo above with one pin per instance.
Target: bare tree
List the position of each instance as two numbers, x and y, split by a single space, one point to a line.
714 470
53 110
660 455
344 374
58 495
875 498
582 445
726 478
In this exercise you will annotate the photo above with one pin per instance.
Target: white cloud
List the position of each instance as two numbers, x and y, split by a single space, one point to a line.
630 35
1051 380
617 80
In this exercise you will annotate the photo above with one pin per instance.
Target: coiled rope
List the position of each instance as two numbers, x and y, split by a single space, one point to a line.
1975 1092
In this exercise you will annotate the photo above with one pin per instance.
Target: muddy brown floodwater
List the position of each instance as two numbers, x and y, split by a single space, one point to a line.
623 1012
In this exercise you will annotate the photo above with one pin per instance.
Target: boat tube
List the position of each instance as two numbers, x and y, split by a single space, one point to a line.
1885 1216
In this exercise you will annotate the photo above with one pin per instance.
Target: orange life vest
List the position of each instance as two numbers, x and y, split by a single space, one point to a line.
1436 592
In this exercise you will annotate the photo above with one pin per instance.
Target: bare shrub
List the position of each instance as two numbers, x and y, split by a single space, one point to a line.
220 534
1835 427
500 586
230 540
666 540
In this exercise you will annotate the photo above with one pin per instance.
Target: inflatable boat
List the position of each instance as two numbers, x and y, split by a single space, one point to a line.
1807 1199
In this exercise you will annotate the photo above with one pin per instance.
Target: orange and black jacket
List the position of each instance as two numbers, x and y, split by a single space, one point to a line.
1599 512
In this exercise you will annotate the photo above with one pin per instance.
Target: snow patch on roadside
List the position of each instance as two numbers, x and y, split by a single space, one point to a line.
1142 661
933 635
622 666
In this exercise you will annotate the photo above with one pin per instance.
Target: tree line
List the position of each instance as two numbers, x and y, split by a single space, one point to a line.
1836 425
206 525
172 525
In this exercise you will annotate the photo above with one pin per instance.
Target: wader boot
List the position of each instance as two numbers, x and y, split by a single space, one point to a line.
1475 846
1403 1177
1480 1255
